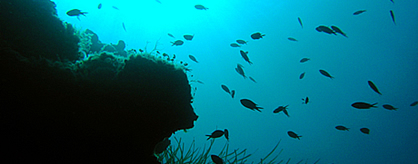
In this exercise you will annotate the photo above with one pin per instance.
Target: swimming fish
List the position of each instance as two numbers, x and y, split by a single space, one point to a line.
240 41
325 73
300 22
303 60
340 127
124 28
76 12
216 134
240 70
188 37
177 43
365 130
216 159
393 16
338 30
414 103
302 75
171 35
325 29
200 7
250 105
359 12
292 39
245 56
389 107
363 105
158 1
226 134
234 45
281 108
392 1
305 100
252 79
257 35
114 7
371 84
226 89
100 6
293 135
232 93
193 58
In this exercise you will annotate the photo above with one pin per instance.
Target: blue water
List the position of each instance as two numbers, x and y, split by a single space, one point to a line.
376 49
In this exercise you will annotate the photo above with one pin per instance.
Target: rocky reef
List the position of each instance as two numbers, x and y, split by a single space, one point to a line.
63 104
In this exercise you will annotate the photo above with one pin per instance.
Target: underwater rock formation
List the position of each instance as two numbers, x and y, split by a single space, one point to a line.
61 106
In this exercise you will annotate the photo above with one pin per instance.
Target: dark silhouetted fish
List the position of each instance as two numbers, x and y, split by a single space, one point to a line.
234 45
188 37
252 79
114 7
240 70
363 105
293 135
359 12
226 89
177 43
124 28
371 84
193 58
365 130
300 22
100 6
292 39
216 134
325 73
338 30
200 7
240 41
325 29
303 60
414 103
392 1
76 13
171 35
302 75
340 127
305 100
389 107
393 16
282 108
257 35
245 56
162 146
250 105
232 93
226 134
216 159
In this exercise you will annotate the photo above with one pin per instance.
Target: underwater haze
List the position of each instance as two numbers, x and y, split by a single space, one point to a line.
381 46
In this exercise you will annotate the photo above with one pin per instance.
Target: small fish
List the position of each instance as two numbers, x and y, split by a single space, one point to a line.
240 41
226 89
281 108
232 93
216 159
293 135
245 56
188 37
76 12
200 7
393 16
303 60
414 103
302 75
171 35
300 22
363 105
158 1
177 43
325 73
257 35
392 1
198 81
305 100
250 105
240 70
338 30
359 12
371 84
252 79
292 39
124 28
114 7
325 29
226 134
365 130
389 107
162 146
343 128
193 58
216 134
100 6
234 45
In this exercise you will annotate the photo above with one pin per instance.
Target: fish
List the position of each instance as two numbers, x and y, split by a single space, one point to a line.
359 12
226 134
234 45
393 16
171 35
363 105
389 107
232 93
240 41
188 37
392 1
305 100
365 130
193 58
292 39
414 103
371 84
216 159
158 1
162 146
293 135
325 73
76 12
216 134
325 29
198 81
124 28
200 7
300 22
250 105
303 60
226 89
100 6
252 79
177 43
343 128
114 7
240 70
281 108
302 75
338 30
245 56
257 35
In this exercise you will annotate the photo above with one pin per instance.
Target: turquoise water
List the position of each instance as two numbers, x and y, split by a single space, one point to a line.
376 49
